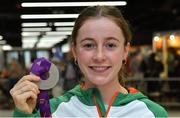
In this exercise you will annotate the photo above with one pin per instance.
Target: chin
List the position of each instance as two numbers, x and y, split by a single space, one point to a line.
99 80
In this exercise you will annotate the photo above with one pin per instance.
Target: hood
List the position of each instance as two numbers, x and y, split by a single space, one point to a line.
86 96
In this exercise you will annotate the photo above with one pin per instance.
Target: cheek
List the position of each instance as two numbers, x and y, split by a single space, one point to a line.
83 56
117 57
84 59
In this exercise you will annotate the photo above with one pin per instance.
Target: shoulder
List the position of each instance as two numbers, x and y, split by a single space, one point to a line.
155 108
66 97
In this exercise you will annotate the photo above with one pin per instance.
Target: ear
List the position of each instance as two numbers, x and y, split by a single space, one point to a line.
73 50
126 50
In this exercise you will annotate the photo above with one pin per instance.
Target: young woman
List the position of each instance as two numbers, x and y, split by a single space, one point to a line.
100 44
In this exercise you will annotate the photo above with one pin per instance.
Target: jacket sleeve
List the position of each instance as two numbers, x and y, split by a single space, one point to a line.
155 108
19 113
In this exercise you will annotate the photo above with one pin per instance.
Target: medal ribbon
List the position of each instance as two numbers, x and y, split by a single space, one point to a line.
109 106
40 67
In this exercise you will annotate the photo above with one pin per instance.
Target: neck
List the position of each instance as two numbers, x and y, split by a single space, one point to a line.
108 90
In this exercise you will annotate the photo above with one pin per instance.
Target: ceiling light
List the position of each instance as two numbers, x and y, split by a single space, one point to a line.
30 33
156 38
7 47
64 28
59 33
36 29
52 38
1 37
49 41
41 24
26 45
172 37
2 42
72 4
29 42
64 23
48 16
65 48
44 44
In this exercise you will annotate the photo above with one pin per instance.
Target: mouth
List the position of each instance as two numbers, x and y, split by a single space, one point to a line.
99 69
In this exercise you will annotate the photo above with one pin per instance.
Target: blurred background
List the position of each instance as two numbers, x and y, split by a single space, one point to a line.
37 28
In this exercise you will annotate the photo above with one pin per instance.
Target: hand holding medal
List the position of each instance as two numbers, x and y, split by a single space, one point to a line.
49 77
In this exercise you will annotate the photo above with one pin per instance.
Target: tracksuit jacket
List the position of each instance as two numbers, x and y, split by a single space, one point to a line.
88 103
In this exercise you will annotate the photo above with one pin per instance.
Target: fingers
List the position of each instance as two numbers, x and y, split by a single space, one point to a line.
24 93
29 78
30 95
25 88
25 84
26 101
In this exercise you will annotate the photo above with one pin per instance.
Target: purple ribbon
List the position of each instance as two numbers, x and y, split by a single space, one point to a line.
44 106
40 67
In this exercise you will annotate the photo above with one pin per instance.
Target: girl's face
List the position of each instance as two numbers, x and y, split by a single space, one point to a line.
100 50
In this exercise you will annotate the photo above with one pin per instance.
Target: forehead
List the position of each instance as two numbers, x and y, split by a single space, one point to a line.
100 27
102 22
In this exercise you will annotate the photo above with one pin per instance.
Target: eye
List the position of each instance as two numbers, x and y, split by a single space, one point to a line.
88 45
111 45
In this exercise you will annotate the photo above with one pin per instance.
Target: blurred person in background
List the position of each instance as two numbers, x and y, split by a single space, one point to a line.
135 63
4 89
16 71
152 68
70 73
100 44
11 74
174 73
177 66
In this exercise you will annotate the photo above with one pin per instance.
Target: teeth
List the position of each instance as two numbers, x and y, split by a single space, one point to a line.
99 68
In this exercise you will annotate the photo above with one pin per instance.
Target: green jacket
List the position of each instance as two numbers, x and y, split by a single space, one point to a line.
80 103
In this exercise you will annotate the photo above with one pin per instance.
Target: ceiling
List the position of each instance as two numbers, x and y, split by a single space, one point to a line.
144 16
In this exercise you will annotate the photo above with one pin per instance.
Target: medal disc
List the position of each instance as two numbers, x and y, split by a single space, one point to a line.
52 79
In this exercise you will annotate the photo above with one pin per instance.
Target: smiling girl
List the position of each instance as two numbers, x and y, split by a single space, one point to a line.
100 44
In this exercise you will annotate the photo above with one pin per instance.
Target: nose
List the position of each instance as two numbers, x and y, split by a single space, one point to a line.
99 55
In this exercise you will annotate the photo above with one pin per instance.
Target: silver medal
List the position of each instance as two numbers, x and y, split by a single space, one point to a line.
52 79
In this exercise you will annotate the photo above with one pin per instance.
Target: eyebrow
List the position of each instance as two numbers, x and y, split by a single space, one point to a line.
86 39
108 38
113 38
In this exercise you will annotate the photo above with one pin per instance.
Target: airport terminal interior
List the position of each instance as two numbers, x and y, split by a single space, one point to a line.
28 32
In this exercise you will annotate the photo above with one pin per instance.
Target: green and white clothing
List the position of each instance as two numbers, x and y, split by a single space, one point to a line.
80 103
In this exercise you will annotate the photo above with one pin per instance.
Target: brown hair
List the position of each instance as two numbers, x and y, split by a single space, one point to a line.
109 12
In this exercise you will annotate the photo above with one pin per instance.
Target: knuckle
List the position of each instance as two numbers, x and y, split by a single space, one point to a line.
23 78
11 91
34 85
33 94
26 81
13 95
